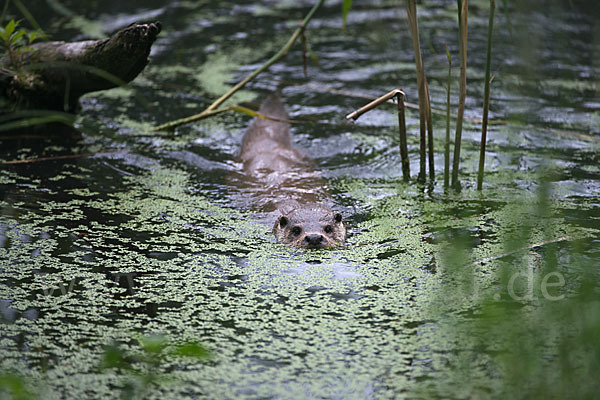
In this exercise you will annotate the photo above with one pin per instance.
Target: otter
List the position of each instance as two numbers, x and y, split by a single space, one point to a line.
283 181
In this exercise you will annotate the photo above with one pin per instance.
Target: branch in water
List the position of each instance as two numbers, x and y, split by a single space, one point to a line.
282 53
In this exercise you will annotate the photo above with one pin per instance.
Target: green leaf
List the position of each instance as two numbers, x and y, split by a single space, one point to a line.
153 344
313 56
15 386
191 349
113 357
252 113
247 111
27 122
17 36
10 27
346 5
32 36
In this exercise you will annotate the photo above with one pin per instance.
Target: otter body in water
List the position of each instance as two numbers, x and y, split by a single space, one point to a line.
283 181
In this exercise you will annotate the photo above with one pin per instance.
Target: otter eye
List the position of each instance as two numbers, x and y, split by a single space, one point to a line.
337 217
328 229
296 230
283 221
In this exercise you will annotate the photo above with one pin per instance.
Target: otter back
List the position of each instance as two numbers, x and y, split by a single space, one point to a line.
267 144
281 179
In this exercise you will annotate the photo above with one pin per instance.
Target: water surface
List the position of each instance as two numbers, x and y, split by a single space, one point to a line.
149 237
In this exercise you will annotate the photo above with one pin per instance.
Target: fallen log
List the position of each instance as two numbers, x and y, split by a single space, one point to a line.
56 74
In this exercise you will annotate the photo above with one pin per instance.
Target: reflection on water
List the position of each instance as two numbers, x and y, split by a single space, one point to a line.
151 236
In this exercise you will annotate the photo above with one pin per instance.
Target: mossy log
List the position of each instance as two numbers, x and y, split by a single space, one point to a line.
56 74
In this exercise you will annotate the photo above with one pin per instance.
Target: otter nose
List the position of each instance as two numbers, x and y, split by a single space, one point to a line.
313 240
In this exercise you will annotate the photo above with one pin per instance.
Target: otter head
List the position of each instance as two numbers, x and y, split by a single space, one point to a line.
310 227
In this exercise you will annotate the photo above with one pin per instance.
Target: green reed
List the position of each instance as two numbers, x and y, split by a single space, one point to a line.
411 11
462 44
486 96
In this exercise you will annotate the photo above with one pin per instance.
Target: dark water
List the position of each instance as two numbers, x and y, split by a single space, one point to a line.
148 237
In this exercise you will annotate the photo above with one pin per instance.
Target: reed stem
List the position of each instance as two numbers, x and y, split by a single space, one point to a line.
462 42
486 97
429 129
403 141
399 95
375 103
447 144
411 11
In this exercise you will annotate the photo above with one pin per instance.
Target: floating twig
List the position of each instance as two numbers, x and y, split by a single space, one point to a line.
27 118
55 158
280 54
247 111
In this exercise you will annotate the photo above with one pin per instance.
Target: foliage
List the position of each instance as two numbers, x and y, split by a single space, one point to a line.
540 342
346 5
13 386
15 42
143 369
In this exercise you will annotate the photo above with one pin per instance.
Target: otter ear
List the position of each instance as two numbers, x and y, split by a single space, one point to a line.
283 221
337 217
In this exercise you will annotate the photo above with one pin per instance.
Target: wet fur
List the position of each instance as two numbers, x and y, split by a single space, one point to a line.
293 189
